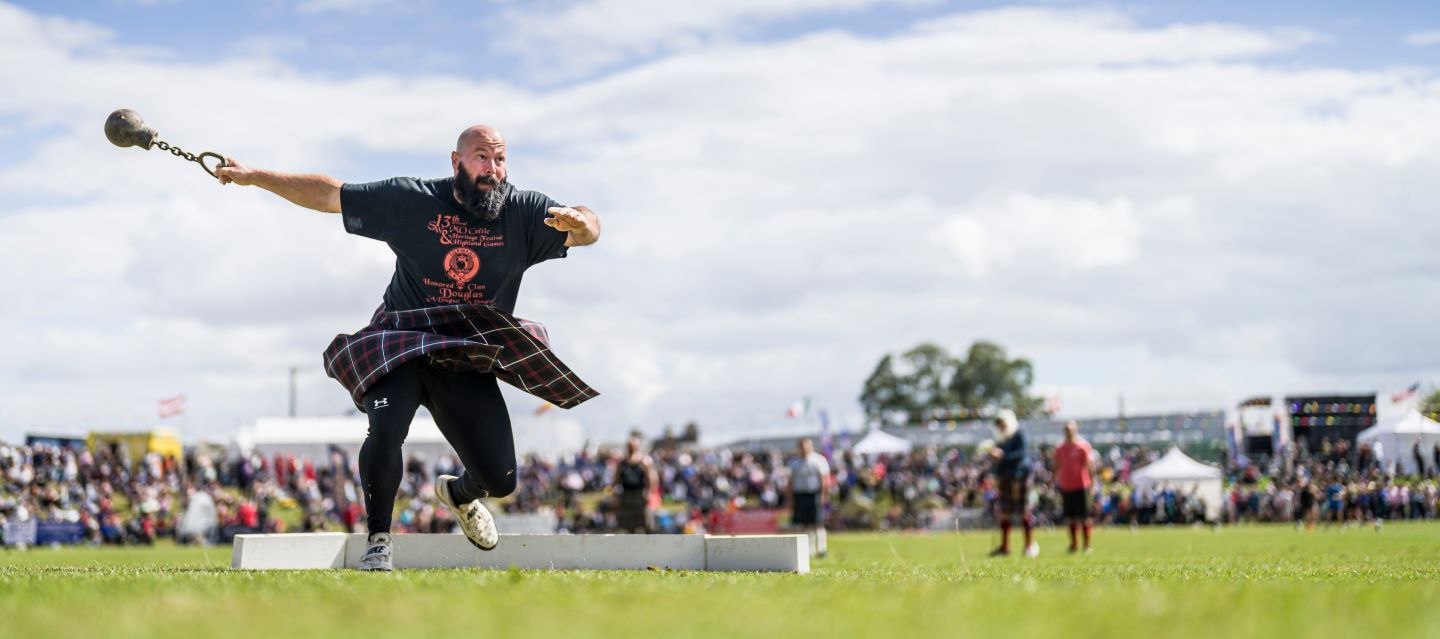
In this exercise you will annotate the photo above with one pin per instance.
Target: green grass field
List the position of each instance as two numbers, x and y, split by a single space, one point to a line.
1251 581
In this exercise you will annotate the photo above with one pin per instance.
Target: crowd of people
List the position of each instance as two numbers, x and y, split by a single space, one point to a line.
102 496
1338 483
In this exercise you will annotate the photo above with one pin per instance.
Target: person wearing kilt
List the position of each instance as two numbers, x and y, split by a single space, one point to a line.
444 335
1012 479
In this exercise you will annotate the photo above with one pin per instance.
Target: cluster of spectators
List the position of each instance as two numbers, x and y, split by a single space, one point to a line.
888 491
1337 483
907 491
104 497
88 495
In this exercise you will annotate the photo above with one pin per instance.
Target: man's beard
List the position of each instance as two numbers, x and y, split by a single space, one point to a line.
486 204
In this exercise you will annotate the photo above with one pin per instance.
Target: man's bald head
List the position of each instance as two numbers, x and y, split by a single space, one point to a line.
478 135
480 174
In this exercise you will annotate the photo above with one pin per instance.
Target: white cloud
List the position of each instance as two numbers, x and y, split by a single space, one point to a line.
1144 209
343 6
1064 233
1422 38
583 36
269 45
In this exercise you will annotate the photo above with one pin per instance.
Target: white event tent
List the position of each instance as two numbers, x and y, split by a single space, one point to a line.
312 437
1398 438
879 442
1177 470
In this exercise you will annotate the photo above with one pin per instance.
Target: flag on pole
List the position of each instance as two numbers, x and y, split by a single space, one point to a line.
1277 436
800 408
172 406
826 445
1400 396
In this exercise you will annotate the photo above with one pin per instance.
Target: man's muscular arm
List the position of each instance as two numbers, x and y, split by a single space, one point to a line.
318 192
581 223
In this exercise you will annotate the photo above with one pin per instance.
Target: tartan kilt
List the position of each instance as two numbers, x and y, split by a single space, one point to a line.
461 337
1014 497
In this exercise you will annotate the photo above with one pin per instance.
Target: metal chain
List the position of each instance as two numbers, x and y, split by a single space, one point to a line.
175 150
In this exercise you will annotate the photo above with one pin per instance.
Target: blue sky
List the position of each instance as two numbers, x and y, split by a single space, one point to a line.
1133 195
450 37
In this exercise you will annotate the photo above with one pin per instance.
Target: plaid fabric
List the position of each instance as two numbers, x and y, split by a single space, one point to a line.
462 337
1014 497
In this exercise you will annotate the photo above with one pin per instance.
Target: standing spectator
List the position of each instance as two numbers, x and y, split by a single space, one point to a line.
809 474
1073 459
1309 505
635 478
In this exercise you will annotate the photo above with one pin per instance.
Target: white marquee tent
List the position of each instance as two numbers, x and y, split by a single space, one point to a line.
879 442
312 437
1177 470
1398 437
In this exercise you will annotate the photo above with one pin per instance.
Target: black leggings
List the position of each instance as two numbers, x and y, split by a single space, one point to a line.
469 411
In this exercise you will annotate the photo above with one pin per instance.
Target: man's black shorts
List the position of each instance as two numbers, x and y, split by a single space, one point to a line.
633 515
1075 503
806 510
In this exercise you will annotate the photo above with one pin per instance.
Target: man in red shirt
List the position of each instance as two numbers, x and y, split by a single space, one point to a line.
1073 459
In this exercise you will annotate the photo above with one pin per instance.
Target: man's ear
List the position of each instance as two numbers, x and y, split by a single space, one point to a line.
454 161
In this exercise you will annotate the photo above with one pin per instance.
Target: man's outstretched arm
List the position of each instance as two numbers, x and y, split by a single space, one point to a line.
318 192
581 223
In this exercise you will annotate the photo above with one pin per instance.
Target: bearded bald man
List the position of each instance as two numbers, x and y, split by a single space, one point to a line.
444 334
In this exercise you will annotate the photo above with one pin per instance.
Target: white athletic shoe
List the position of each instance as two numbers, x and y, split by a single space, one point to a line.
1033 550
475 520
377 555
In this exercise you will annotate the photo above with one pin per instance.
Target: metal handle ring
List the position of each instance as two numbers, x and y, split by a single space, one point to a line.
220 162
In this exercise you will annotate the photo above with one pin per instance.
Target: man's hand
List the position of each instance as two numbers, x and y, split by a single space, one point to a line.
996 453
235 172
581 223
318 192
564 218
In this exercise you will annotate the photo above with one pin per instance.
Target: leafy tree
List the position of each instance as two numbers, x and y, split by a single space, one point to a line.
692 433
988 379
882 393
927 379
1430 404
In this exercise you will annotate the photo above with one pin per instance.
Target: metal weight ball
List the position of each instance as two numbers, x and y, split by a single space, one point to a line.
126 128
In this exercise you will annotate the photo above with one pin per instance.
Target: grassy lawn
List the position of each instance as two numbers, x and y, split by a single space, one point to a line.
1252 581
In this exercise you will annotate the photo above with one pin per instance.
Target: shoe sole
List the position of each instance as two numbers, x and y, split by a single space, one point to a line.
444 498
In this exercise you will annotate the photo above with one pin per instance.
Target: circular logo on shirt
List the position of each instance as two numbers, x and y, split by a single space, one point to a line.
461 264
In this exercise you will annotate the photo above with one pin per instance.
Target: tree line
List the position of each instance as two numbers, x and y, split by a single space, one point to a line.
927 382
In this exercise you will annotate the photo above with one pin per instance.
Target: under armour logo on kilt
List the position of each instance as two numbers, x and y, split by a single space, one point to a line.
382 402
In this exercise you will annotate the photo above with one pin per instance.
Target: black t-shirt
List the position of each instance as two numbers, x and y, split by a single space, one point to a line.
633 476
443 254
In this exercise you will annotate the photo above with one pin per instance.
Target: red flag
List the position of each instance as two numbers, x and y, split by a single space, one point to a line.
172 406
1053 404
1405 394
